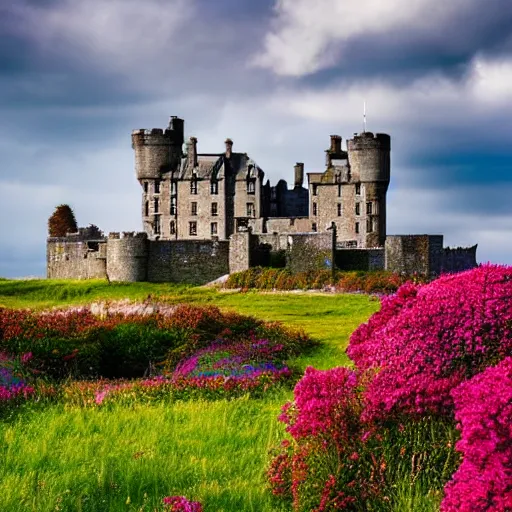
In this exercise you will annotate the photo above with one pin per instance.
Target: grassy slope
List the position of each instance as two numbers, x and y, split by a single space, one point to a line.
214 452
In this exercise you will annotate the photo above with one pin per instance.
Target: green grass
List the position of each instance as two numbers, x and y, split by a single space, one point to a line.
96 460
215 452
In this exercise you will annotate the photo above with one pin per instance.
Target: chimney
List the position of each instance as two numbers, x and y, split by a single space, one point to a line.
299 174
335 144
192 151
229 147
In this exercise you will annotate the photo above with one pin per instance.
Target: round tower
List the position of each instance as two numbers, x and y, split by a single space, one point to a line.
157 150
127 257
369 160
369 157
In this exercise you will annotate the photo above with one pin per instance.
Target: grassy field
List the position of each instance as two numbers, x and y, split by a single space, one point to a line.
127 459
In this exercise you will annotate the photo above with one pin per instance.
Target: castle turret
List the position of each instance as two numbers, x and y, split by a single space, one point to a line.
127 257
157 151
369 160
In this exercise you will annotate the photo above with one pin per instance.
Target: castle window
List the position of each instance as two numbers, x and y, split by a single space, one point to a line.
358 189
173 205
358 208
369 226
193 208
146 187
213 228
172 228
174 187
313 226
214 210
214 187
273 194
156 205
339 209
315 190
357 227
250 210
192 228
193 186
251 187
146 209
339 190
315 209
157 187
156 226
368 208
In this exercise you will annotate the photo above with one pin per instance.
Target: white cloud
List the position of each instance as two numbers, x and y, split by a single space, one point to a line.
307 37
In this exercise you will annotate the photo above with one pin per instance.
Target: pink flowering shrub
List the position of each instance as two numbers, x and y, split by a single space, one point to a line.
331 463
181 504
483 407
428 339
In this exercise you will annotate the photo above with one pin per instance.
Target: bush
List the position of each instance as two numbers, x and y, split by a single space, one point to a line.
76 343
427 339
282 279
483 407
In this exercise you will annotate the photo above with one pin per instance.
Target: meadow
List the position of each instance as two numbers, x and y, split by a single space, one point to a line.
57 457
184 403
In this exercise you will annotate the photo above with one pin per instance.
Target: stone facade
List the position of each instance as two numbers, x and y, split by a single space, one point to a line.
193 196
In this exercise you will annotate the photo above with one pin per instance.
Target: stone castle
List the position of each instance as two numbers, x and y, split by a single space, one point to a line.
207 214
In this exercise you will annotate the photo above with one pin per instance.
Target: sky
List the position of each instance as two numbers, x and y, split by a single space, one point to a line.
276 76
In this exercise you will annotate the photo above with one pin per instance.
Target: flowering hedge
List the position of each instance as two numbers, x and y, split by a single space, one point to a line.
181 504
425 359
483 406
282 279
428 339
79 344
222 370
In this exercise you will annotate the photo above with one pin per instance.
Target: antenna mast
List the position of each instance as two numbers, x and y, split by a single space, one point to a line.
364 116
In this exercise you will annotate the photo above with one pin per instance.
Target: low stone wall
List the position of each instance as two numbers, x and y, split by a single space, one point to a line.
458 259
309 251
413 254
75 259
187 261
360 259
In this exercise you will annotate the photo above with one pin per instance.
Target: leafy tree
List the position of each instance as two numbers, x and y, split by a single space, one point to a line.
62 221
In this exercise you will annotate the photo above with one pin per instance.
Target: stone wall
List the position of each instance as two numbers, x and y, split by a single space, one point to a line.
360 259
309 251
75 259
192 261
413 254
458 259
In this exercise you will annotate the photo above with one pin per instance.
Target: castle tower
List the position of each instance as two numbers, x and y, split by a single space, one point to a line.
127 257
369 160
157 152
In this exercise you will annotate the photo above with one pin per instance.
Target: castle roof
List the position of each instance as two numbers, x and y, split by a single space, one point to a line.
214 165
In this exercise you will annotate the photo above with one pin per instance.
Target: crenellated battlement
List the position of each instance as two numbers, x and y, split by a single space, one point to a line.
368 140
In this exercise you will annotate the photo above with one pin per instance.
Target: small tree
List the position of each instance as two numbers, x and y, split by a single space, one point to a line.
62 221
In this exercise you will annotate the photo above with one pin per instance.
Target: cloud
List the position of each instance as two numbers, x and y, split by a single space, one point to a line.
304 40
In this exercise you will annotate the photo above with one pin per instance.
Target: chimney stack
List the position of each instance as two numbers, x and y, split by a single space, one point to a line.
299 174
335 144
229 147
192 151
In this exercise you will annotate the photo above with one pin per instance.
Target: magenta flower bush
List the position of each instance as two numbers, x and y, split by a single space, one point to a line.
483 408
181 504
428 339
331 464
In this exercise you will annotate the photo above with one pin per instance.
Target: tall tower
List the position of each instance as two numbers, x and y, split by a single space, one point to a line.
157 152
369 160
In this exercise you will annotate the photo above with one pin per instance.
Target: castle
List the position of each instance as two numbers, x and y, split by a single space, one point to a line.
207 214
